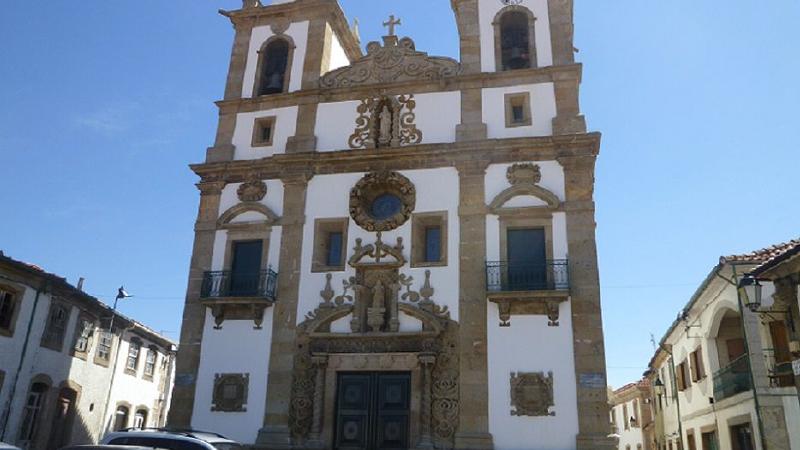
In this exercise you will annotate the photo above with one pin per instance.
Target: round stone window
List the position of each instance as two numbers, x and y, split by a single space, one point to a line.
382 201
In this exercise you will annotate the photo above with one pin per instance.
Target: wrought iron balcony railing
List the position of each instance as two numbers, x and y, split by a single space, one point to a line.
225 284
779 367
733 379
504 276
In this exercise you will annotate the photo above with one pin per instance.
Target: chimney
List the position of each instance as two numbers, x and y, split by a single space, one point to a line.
80 284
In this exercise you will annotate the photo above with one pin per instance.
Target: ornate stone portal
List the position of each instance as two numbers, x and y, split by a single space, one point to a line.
375 297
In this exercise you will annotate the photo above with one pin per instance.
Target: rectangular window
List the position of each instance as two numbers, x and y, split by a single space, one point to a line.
150 363
698 370
263 131
433 244
104 343
83 335
709 441
690 442
132 363
56 326
330 245
683 376
742 437
334 248
429 239
8 306
31 412
518 110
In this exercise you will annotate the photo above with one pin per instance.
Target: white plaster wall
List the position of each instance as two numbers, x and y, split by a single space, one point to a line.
299 33
543 111
792 410
338 55
437 115
237 348
529 345
488 9
328 197
285 127
335 123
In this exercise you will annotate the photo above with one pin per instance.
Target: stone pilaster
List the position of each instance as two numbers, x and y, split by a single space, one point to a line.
425 438
587 323
241 47
194 314
568 118
473 430
469 34
320 363
275 433
317 61
562 29
471 127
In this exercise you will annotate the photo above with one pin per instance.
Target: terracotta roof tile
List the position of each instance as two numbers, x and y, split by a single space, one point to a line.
774 260
763 255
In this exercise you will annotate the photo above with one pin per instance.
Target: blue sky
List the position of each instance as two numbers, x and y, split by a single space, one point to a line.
106 103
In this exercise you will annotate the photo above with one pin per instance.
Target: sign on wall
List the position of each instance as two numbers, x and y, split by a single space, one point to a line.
796 367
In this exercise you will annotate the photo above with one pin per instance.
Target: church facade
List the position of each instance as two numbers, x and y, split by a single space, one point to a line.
393 249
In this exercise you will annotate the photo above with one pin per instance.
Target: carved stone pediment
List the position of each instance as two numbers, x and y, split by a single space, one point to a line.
395 61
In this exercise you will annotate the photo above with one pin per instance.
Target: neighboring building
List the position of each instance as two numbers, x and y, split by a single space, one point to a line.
64 379
783 270
347 212
721 368
632 416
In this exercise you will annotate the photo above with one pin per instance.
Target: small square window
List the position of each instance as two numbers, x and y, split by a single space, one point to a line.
263 131
429 239
518 110
330 245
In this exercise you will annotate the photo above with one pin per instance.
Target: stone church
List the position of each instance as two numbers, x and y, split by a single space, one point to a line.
396 250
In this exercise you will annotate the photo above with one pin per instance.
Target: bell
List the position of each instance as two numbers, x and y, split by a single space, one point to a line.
275 81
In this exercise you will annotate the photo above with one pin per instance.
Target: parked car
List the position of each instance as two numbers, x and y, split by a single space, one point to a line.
171 439
4 446
105 447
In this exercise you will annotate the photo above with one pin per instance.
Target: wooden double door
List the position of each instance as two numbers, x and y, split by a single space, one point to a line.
372 410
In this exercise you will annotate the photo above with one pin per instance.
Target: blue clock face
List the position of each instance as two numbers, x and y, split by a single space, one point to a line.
385 206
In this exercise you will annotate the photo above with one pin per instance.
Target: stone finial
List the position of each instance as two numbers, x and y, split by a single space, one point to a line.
251 4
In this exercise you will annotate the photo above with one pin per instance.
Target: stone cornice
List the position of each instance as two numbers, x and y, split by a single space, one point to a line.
403 158
301 10
457 83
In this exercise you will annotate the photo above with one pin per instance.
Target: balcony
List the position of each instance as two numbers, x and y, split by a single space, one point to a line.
779 367
528 288
732 379
239 296
502 276
226 284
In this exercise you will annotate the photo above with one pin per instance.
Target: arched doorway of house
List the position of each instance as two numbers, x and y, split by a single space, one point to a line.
63 419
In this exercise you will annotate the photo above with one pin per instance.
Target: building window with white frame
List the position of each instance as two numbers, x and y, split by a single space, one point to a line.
132 362
104 345
31 413
150 363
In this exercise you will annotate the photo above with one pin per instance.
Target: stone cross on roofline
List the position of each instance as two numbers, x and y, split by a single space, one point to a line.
391 24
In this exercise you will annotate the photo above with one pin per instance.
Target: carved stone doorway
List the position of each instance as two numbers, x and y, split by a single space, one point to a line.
372 410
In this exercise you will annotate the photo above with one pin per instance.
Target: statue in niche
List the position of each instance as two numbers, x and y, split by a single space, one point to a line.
386 121
385 127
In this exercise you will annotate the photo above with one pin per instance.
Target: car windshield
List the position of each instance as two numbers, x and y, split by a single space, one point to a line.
157 442
227 446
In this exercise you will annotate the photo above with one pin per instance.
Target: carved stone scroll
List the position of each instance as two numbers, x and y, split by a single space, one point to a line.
395 61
